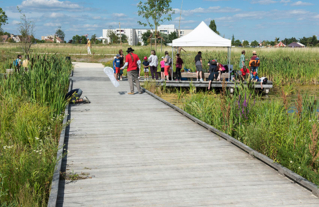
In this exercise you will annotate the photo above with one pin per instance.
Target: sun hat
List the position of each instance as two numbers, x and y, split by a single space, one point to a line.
117 55
162 57
145 58
129 50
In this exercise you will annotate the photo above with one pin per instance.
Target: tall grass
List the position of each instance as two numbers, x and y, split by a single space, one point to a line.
285 130
31 106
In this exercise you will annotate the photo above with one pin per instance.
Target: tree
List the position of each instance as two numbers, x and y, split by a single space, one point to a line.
124 38
213 26
314 40
60 33
54 39
237 43
254 43
93 38
3 18
245 43
172 36
146 37
113 37
76 39
277 40
156 10
233 40
26 30
83 40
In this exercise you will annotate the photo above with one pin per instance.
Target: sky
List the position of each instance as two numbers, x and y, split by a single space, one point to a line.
245 19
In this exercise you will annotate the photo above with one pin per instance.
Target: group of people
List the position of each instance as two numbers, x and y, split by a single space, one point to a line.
18 63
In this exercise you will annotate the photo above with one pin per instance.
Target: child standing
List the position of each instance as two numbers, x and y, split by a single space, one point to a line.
117 63
146 66
162 69
114 63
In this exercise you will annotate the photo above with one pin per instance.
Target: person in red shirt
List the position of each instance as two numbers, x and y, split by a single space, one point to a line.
244 73
133 63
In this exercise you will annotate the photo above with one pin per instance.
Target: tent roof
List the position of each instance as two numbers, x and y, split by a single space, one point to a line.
295 44
201 36
280 44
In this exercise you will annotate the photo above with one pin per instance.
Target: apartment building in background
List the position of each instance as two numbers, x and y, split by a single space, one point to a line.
134 36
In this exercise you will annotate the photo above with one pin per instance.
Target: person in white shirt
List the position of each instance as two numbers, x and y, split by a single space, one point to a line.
153 60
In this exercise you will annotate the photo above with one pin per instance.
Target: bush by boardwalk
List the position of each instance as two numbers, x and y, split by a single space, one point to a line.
31 106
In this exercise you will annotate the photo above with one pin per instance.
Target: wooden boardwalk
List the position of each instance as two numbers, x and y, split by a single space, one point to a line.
140 152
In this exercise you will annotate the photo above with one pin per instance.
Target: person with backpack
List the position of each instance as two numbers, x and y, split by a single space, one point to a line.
168 63
213 72
199 65
133 63
254 63
179 66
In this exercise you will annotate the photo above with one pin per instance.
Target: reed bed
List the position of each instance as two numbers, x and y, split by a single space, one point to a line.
31 113
285 130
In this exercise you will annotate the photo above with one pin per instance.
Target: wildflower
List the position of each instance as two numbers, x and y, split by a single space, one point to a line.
299 168
36 138
291 161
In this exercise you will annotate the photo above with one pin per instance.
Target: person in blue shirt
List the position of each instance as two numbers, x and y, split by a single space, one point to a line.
146 66
117 66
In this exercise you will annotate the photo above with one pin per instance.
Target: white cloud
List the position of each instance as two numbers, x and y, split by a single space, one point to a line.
56 15
215 9
301 3
285 1
50 5
15 22
264 2
50 24
118 15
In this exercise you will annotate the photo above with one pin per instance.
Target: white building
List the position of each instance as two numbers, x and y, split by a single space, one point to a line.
134 36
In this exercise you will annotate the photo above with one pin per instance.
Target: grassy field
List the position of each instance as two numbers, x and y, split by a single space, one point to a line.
283 66
31 112
283 129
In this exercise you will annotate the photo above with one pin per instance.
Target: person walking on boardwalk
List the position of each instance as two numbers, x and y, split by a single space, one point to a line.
89 46
199 65
153 60
133 63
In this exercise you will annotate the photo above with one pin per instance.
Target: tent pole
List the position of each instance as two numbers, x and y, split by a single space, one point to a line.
172 61
229 54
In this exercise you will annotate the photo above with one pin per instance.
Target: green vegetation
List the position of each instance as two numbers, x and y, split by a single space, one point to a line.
284 130
31 112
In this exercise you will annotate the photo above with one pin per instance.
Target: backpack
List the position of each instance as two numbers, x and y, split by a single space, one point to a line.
254 63
170 61
16 63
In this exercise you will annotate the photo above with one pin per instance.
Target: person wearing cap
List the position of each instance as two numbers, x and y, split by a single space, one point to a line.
133 63
199 65
88 44
146 64
117 63
254 63
153 60
162 69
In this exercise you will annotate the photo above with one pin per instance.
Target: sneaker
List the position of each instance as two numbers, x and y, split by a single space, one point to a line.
121 79
87 99
130 93
197 79
201 80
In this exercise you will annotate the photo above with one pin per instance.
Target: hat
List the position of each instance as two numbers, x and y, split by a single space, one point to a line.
162 57
254 73
117 55
213 62
129 50
254 53
145 58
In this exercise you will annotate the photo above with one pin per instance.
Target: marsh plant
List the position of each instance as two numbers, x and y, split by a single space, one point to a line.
31 113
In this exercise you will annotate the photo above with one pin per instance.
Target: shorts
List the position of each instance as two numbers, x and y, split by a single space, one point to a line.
114 70
146 70
199 68
166 69
117 70
162 70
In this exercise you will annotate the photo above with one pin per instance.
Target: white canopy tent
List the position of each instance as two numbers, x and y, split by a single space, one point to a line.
202 36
